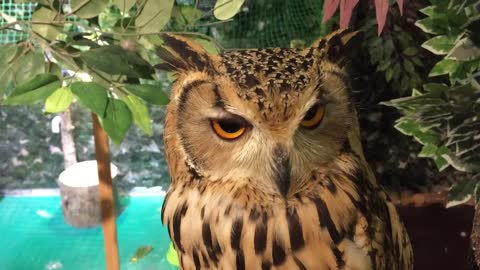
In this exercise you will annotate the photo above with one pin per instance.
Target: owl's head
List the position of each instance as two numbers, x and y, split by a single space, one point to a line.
265 116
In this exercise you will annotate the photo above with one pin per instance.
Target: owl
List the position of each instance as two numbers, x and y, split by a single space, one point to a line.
266 163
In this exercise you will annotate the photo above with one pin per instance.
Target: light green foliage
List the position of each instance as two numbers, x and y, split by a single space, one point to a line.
41 16
154 15
34 91
449 112
117 120
104 47
91 95
150 93
59 101
87 9
226 9
140 113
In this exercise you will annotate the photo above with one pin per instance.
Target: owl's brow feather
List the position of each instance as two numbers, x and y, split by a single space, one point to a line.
186 90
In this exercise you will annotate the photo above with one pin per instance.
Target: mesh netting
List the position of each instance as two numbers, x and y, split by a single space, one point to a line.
273 23
261 23
11 12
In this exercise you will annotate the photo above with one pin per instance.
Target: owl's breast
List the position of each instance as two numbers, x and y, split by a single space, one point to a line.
241 228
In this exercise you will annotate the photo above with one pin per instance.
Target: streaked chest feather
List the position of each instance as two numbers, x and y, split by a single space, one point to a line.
325 226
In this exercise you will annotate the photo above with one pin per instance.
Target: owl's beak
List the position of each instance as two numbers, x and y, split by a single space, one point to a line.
282 169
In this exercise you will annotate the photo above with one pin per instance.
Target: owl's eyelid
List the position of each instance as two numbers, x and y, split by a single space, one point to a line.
231 118
318 102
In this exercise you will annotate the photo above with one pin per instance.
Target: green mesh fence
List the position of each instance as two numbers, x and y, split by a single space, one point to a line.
273 23
11 12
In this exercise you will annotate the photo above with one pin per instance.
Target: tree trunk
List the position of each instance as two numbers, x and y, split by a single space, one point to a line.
68 143
107 195
475 238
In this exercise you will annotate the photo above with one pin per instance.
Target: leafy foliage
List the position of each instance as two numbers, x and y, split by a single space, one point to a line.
88 52
95 55
445 117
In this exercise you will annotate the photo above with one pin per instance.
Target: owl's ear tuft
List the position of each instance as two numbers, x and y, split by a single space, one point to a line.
181 54
339 45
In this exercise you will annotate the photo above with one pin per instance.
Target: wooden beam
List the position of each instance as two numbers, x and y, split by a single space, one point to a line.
102 152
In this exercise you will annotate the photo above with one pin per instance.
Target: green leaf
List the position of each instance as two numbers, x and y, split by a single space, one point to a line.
397 71
117 120
435 87
87 9
115 60
440 160
433 11
226 9
404 83
140 113
461 192
384 65
27 66
140 253
412 128
409 67
208 45
64 60
440 45
427 137
7 54
91 95
388 74
407 127
44 15
416 60
428 150
34 91
150 93
124 5
464 50
190 14
433 25
411 51
59 101
154 16
172 256
445 66
435 153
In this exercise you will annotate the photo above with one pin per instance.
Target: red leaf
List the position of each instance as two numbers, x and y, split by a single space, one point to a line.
400 6
329 9
346 8
381 10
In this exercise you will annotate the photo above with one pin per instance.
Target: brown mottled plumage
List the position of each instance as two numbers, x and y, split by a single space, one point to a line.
279 196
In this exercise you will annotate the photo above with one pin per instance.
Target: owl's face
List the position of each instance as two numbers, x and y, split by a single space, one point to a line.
267 116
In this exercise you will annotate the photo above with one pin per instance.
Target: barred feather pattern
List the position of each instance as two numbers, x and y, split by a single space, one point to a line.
340 220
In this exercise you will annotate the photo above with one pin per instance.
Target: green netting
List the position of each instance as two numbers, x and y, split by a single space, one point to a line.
35 236
11 12
273 23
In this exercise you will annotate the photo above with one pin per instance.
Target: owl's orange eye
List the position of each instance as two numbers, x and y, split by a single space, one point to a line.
229 129
313 117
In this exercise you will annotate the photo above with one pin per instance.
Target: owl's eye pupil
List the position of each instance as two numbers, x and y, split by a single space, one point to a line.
310 113
230 126
229 129
313 117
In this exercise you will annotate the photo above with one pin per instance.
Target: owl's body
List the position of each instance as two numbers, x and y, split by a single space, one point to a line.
267 169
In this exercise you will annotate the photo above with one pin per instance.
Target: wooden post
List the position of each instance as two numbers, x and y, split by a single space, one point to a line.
102 152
